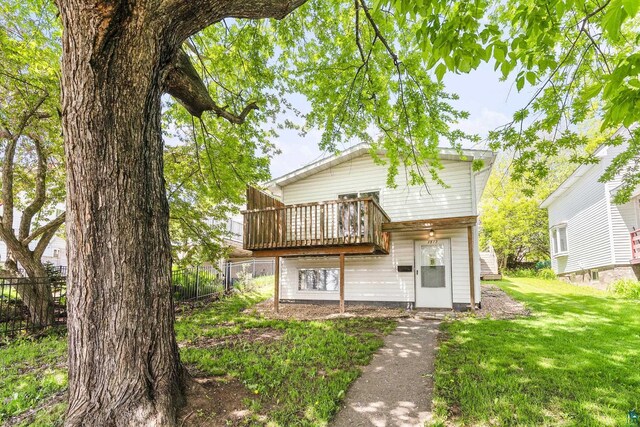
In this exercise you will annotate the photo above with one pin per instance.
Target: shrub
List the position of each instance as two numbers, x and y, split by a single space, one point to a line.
626 288
521 272
543 264
547 274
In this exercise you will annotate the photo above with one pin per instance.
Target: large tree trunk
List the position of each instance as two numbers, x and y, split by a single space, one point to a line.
124 367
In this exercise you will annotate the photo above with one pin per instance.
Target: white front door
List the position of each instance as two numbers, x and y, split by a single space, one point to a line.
433 273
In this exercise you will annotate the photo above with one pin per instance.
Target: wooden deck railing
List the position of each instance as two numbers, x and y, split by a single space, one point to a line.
332 223
635 246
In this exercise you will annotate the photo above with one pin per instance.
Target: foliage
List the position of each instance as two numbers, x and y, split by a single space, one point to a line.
543 264
542 273
303 375
512 222
626 288
578 56
546 274
521 272
575 361
30 137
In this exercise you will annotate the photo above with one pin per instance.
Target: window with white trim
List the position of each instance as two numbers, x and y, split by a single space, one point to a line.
559 244
318 279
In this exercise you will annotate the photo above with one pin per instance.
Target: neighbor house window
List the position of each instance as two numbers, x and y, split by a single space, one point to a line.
318 279
56 253
559 240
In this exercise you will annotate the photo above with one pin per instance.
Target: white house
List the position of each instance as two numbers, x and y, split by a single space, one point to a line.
591 237
339 233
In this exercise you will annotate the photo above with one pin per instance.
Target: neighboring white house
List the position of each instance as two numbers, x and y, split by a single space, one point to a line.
591 238
55 252
405 246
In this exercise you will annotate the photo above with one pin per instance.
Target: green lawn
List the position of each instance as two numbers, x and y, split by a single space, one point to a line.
301 374
574 362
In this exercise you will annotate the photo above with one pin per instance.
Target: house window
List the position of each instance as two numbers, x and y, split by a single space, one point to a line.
318 279
559 240
595 276
56 253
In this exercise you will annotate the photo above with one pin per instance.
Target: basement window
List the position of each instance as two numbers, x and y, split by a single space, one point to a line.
595 277
318 279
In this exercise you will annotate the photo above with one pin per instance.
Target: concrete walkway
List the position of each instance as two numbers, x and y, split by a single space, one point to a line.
396 388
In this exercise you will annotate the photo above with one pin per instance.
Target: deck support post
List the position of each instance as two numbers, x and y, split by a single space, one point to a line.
472 275
341 283
276 285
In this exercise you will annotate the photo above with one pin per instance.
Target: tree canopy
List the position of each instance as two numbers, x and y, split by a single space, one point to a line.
513 223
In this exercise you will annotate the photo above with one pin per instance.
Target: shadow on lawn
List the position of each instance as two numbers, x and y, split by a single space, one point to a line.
576 361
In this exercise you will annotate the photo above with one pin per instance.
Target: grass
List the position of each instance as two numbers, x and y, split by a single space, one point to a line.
574 362
302 375
31 370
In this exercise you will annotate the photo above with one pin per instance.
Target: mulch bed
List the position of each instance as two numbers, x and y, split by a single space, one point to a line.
496 304
290 311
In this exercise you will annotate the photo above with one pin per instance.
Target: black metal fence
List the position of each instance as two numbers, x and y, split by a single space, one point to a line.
196 282
30 306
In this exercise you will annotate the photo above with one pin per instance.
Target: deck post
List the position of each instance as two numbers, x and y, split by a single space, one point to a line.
276 285
342 283
472 276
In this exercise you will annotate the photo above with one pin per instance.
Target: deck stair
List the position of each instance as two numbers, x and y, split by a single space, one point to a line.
489 265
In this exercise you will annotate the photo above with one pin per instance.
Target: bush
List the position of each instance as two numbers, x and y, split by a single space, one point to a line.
547 274
626 288
543 264
521 272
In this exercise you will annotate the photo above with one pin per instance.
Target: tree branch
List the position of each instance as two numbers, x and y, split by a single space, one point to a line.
184 84
8 161
189 17
54 224
40 191
48 233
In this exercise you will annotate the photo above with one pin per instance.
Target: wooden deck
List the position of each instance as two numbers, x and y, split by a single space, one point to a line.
352 226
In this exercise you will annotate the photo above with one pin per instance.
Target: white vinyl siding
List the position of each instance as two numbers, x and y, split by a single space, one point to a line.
584 209
403 203
623 222
375 278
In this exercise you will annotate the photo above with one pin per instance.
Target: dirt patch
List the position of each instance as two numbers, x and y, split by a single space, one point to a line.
214 402
254 335
290 311
498 305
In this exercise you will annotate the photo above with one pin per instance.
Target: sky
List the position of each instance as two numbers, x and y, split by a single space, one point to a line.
489 102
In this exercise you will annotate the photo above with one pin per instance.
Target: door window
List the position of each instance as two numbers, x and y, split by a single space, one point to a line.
432 266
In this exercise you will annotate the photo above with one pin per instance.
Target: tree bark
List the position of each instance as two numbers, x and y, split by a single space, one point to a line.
124 367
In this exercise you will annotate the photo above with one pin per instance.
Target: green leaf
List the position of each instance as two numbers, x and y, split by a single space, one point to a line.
440 70
531 77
